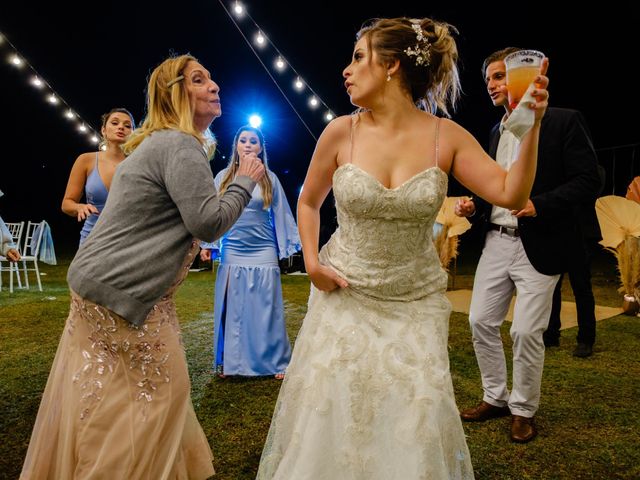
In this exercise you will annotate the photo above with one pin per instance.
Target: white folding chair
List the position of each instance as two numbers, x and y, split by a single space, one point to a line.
16 229
31 254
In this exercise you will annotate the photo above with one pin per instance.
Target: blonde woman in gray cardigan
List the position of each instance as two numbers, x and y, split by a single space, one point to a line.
117 403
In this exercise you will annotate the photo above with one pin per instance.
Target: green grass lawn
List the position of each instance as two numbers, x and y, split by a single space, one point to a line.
588 419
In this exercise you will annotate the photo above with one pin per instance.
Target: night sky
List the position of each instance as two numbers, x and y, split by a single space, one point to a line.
101 60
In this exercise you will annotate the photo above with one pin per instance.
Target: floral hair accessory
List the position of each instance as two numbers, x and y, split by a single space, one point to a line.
422 49
170 83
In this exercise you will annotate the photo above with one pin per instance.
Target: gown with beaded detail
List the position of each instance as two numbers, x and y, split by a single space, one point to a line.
117 402
368 393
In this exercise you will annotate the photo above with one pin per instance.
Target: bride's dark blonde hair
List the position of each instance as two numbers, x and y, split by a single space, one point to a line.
433 80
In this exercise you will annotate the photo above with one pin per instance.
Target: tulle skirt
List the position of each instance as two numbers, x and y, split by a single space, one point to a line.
368 395
117 402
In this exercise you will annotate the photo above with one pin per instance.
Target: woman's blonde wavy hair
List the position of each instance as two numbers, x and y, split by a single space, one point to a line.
234 161
169 106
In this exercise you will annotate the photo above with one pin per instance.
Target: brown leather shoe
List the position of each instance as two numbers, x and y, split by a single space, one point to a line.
484 411
523 429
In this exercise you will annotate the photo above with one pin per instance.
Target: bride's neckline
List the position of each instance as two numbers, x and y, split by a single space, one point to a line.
376 180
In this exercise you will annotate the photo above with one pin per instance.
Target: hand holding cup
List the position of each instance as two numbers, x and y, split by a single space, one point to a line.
522 69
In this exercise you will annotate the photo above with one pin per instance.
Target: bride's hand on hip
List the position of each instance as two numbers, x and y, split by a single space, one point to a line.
326 279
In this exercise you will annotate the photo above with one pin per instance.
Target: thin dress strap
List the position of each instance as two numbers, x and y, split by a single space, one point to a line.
437 139
354 119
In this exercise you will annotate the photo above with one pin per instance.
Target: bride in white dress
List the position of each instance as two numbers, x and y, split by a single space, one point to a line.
368 392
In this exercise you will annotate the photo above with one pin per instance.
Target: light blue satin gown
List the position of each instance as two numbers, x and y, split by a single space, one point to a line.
250 336
96 194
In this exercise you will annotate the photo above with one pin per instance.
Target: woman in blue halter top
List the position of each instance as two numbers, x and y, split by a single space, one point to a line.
93 171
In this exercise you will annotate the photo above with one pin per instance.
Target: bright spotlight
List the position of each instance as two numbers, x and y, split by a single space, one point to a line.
260 40
238 9
255 121
280 63
328 116
298 84
82 128
95 139
52 99
313 102
69 114
36 82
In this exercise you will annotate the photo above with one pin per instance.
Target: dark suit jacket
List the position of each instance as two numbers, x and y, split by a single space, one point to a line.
566 177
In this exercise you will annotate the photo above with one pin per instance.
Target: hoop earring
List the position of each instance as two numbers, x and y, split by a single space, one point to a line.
388 77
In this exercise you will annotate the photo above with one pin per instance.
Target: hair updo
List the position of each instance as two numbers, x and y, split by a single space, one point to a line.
433 82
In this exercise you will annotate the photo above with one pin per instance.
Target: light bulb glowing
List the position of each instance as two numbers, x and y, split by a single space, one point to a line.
36 82
280 63
69 114
238 9
260 40
298 84
328 116
15 60
52 99
82 128
94 139
313 102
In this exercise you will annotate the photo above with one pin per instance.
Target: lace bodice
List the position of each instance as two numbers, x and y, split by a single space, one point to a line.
383 245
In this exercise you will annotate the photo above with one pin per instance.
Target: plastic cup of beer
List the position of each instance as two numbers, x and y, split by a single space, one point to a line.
522 68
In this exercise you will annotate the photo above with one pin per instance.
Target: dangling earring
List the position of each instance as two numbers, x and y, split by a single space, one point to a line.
388 77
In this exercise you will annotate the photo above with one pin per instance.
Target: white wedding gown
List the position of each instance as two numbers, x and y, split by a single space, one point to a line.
368 393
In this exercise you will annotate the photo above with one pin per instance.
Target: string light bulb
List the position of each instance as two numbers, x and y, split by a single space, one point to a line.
238 9
16 60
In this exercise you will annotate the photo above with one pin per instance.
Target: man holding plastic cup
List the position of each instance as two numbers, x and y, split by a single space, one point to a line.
525 250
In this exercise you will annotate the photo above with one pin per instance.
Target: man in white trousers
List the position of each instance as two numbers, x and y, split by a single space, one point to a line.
524 252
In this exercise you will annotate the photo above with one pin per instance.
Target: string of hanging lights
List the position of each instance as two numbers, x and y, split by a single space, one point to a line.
238 13
49 94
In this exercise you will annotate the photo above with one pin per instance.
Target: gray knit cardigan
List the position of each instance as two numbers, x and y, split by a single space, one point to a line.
161 197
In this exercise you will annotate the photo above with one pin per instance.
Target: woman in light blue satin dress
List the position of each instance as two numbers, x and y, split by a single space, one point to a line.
250 337
92 172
